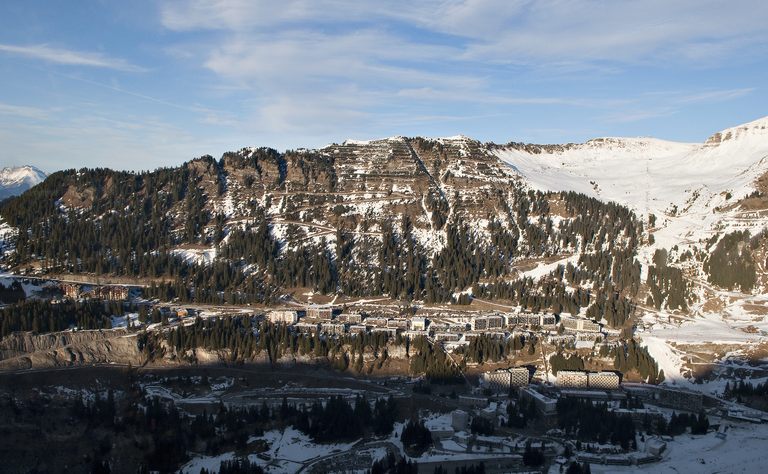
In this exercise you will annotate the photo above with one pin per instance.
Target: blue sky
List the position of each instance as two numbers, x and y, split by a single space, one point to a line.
142 84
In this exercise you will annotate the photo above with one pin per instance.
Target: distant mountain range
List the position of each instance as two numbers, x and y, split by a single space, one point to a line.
14 181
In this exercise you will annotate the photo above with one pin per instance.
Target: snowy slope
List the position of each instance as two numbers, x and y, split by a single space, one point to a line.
694 190
681 183
14 181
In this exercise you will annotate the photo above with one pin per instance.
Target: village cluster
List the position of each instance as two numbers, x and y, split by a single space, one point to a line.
452 329
498 395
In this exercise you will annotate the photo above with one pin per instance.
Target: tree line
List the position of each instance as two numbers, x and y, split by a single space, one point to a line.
42 316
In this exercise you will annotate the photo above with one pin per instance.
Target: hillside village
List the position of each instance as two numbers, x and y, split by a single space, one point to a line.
506 405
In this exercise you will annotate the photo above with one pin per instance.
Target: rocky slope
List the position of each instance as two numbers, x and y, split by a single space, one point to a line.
61 350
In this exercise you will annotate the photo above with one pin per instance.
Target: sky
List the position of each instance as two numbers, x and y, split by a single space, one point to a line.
143 84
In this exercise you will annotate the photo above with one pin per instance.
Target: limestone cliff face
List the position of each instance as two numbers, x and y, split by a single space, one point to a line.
25 351
57 350
19 343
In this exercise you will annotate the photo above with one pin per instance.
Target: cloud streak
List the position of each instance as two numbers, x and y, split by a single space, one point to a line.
68 57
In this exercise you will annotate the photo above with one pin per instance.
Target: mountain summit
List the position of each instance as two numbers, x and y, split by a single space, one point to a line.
14 181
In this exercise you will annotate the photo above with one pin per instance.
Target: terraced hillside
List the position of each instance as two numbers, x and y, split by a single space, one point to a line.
409 218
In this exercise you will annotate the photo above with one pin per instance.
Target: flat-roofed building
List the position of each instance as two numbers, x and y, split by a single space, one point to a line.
358 329
307 328
500 380
418 323
473 401
284 317
495 322
439 428
71 290
480 324
459 420
531 319
323 313
111 292
570 323
588 325
436 326
572 379
522 319
588 336
414 334
376 322
548 320
655 446
579 324
447 337
561 339
352 318
456 327
675 398
333 328
390 331
594 395
397 323
544 404
519 376
486 323
604 380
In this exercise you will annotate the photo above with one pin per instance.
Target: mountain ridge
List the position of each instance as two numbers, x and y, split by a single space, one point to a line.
616 230
16 180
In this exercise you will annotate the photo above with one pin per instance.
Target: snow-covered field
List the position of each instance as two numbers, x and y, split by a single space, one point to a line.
122 321
293 445
743 451
198 256
31 287
288 451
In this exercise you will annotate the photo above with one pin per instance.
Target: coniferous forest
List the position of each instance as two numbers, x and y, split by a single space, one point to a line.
104 222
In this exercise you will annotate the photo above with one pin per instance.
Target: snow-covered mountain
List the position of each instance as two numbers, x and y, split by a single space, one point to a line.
697 193
14 181
692 189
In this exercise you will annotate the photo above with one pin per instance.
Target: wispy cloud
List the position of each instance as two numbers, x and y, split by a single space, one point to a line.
594 31
23 111
68 57
639 115
299 62
715 95
666 103
180 106
511 31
